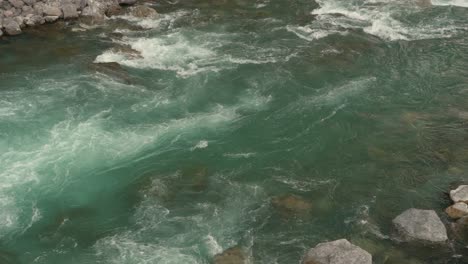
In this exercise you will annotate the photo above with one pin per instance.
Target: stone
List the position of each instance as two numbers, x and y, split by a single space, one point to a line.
337 252
460 194
1 33
27 10
69 11
33 20
20 21
143 12
291 204
8 13
11 27
420 225
113 10
29 2
16 3
234 255
128 51
457 210
127 2
50 19
52 11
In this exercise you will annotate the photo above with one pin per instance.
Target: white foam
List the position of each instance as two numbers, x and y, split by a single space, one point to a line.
462 3
200 145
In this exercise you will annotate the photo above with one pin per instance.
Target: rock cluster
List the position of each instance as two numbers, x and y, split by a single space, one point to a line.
15 15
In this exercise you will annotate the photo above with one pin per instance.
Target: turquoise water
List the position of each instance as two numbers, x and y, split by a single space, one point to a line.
357 107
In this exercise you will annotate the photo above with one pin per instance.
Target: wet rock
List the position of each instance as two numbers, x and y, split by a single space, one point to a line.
1 33
420 225
127 2
113 10
50 19
460 194
143 12
291 204
52 11
128 51
11 27
70 11
112 69
337 252
457 210
234 255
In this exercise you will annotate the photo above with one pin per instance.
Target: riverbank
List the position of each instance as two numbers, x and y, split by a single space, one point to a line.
15 15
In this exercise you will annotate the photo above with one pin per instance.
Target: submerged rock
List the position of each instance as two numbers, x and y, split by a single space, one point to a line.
234 255
127 50
112 69
337 252
420 225
291 204
457 210
460 194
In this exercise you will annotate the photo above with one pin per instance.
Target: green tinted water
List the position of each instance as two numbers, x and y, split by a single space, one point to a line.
357 107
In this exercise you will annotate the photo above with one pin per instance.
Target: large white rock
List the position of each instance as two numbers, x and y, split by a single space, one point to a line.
337 252
420 225
460 194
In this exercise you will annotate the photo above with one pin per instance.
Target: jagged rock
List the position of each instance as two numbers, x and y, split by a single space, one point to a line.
52 11
127 2
337 252
457 210
11 27
234 255
420 225
50 19
291 204
69 11
460 194
143 12
16 3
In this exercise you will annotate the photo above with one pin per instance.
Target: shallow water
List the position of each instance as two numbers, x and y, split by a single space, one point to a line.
358 107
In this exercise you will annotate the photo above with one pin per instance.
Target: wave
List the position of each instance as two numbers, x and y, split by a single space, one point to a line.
383 19
462 3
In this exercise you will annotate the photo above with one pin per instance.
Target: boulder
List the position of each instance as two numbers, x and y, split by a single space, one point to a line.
26 10
52 11
420 225
16 3
50 19
20 21
29 2
457 210
143 12
8 13
127 2
11 27
460 194
113 10
234 255
337 252
69 11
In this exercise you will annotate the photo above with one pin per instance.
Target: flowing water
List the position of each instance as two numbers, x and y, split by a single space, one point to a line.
358 107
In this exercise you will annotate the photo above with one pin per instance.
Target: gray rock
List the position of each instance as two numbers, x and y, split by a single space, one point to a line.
27 10
50 19
127 2
20 21
16 3
29 2
143 12
69 11
32 20
420 225
52 11
460 194
8 13
337 252
11 27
